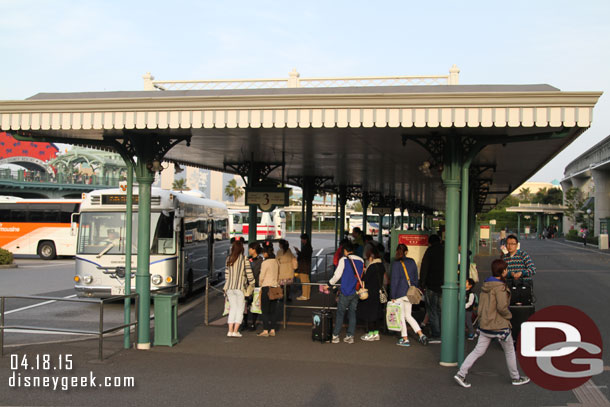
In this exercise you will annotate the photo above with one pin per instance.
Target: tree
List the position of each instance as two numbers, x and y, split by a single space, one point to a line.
574 200
551 196
234 190
180 185
525 195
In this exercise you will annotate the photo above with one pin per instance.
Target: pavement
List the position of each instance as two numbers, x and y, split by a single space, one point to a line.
208 368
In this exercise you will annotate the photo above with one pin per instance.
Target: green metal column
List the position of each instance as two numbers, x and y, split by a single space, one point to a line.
365 207
464 208
128 227
402 218
342 203
309 195
145 179
518 225
451 179
380 234
336 221
252 223
292 221
538 225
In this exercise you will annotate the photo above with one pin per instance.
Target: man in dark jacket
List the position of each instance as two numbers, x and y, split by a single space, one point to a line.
432 279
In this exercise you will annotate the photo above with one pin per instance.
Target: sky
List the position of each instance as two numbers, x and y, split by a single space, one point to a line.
82 46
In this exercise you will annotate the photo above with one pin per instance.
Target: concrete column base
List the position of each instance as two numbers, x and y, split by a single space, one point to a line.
448 364
143 346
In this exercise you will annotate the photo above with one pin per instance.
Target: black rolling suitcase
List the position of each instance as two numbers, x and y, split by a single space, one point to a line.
322 322
521 313
322 326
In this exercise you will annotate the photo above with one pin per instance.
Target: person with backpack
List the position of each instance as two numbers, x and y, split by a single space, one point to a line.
494 322
349 271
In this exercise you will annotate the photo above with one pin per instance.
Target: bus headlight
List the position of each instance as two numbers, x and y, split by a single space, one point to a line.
87 279
157 279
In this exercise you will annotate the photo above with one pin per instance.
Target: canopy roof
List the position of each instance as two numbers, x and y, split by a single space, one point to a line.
360 136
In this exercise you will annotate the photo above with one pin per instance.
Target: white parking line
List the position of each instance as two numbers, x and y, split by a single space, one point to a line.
43 265
36 305
28 331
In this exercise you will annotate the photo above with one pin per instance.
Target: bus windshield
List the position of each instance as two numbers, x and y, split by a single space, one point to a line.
104 233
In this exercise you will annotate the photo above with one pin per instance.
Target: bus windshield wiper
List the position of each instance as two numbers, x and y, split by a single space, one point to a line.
105 250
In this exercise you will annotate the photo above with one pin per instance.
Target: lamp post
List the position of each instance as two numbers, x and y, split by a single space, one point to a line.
589 218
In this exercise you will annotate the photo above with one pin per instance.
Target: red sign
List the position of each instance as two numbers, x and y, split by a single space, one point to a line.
413 240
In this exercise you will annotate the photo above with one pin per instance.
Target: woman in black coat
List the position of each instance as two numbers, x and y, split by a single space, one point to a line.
370 308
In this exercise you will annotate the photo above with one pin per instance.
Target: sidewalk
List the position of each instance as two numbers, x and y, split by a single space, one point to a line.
208 368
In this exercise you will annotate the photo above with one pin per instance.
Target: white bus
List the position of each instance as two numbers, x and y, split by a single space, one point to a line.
372 220
269 225
43 227
189 241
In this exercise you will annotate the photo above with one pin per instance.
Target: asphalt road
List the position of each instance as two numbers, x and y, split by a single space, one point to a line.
207 368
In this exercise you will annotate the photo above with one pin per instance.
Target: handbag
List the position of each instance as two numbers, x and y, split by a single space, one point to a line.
414 294
383 295
275 293
363 293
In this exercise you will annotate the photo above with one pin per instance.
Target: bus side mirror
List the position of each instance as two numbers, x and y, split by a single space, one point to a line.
73 228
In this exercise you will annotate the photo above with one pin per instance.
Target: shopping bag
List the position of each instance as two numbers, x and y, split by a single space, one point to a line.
227 307
393 316
255 308
473 272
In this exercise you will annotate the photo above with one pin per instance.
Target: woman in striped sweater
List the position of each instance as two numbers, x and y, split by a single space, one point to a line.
238 274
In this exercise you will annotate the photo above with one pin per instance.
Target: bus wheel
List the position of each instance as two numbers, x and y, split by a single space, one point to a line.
46 250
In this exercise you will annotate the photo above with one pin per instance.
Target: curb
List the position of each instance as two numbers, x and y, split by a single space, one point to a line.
9 266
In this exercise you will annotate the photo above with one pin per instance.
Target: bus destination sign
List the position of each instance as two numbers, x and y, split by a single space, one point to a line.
118 200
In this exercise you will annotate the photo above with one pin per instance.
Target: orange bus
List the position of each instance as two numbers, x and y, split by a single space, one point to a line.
43 227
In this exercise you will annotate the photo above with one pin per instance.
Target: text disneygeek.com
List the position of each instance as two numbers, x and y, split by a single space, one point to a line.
24 369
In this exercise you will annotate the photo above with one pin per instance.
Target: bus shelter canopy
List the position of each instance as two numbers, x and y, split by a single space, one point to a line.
369 137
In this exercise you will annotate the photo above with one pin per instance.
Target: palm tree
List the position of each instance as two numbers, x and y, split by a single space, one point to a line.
180 185
525 195
234 190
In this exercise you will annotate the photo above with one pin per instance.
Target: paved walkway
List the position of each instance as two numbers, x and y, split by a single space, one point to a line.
207 368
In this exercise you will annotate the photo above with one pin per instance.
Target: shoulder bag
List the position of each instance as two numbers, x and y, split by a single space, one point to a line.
414 294
276 293
363 293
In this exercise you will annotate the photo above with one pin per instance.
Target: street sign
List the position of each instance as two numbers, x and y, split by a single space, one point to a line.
381 210
484 234
492 221
267 198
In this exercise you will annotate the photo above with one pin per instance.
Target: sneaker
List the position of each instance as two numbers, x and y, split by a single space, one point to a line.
335 339
521 380
471 337
348 339
423 340
403 342
461 380
376 337
434 340
236 335
301 298
229 334
369 337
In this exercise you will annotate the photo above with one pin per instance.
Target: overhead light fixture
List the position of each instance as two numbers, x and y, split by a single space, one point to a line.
177 168
155 166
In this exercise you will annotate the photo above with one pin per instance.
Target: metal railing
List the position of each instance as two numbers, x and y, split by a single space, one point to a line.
286 306
24 176
295 81
100 332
